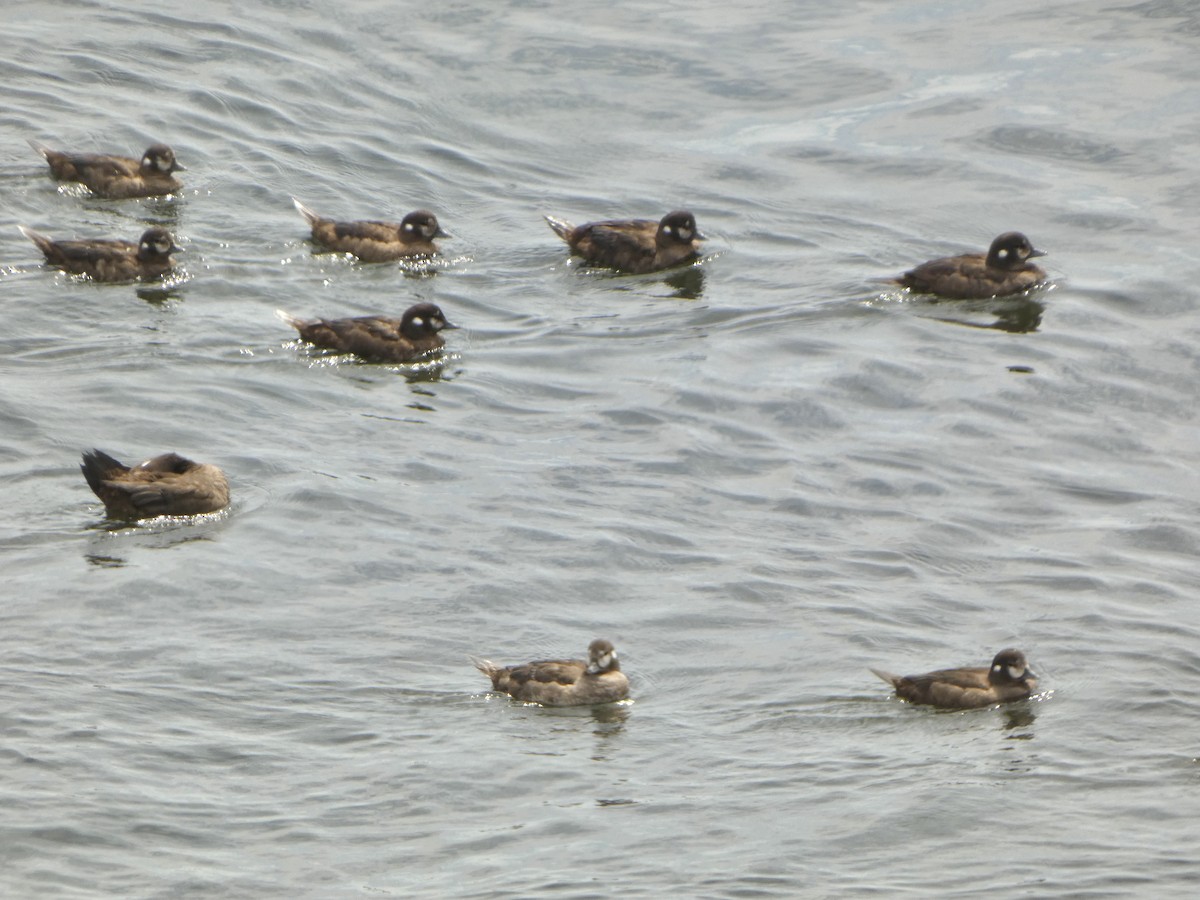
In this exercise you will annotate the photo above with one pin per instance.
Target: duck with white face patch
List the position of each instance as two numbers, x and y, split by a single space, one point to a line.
414 336
1005 269
373 241
117 177
165 485
1008 678
633 246
562 682
110 260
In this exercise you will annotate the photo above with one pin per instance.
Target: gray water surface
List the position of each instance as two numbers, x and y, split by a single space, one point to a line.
757 477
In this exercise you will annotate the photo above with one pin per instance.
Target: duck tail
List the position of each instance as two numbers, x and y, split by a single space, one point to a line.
887 676
44 242
40 148
311 217
290 319
97 467
561 227
486 666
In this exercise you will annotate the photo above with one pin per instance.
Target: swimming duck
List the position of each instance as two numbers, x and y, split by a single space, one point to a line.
1008 678
117 177
377 241
110 260
633 246
1005 269
378 338
562 682
167 485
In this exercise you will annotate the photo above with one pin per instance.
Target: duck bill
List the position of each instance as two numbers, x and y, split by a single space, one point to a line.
1033 253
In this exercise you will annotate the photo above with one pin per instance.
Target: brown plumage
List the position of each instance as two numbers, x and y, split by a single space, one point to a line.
166 485
378 338
377 241
1008 678
110 260
1004 269
117 177
562 682
633 246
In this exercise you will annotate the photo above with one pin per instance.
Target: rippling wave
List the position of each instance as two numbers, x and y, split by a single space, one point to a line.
759 475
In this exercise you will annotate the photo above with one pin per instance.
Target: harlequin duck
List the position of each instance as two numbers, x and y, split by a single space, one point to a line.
166 485
1009 678
563 682
1004 270
377 241
633 246
110 260
117 177
378 338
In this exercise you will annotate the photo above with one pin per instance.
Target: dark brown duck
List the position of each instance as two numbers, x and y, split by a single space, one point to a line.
377 241
1008 678
1004 269
166 485
633 246
110 260
562 682
378 338
117 177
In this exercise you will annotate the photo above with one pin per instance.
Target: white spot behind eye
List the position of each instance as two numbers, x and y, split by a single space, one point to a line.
1003 254
418 321
408 226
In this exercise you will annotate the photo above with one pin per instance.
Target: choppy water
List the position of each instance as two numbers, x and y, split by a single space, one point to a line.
758 477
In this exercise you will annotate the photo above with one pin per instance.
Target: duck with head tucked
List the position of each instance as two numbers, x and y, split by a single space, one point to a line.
110 260
374 241
562 682
166 485
378 338
117 177
1008 678
633 246
1004 269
